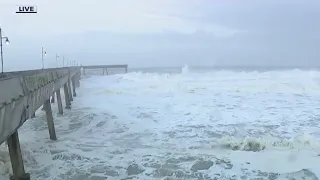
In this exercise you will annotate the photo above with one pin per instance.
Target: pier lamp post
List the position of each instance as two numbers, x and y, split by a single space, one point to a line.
44 53
7 42
68 62
57 57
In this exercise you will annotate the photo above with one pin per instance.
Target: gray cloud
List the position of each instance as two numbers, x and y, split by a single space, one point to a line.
247 32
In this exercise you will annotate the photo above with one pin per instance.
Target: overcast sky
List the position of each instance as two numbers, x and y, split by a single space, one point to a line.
144 33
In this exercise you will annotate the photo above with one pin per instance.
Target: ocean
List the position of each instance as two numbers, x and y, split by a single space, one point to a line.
181 123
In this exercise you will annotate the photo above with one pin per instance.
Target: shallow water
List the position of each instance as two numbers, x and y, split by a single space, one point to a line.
189 125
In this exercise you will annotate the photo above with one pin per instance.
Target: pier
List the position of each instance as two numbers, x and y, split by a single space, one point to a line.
24 92
104 68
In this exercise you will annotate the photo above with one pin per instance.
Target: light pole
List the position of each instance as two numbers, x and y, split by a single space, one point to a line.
43 54
7 42
63 61
57 57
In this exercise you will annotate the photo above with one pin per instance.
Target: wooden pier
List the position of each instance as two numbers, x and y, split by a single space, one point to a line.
23 92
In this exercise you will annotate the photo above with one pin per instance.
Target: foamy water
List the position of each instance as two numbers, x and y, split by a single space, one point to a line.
188 125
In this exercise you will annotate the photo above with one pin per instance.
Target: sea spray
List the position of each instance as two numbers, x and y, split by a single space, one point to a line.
185 69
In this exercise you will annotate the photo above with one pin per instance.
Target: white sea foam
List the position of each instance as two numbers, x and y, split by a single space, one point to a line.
305 141
253 124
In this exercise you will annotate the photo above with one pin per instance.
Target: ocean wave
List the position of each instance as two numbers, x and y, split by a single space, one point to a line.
293 82
259 144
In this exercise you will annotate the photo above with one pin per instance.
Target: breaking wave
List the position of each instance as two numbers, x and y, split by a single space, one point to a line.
182 114
185 69
258 144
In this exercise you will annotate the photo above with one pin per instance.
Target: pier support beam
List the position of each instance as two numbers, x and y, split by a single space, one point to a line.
66 96
33 115
53 98
16 158
70 91
78 79
52 131
59 102
73 80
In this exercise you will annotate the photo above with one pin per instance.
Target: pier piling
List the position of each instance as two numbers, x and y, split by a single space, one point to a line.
73 80
69 90
16 158
66 96
52 131
78 79
53 98
59 101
